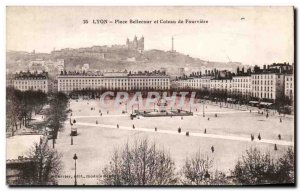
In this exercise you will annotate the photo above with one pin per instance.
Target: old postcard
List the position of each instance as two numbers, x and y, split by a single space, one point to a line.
150 96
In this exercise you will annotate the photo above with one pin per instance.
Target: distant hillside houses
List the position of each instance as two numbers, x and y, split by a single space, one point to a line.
40 65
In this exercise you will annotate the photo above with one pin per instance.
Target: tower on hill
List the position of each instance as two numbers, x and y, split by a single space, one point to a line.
135 44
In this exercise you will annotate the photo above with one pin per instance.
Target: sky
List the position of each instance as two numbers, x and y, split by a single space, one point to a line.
251 35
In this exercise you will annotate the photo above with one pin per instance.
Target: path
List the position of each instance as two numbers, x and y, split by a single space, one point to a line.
215 136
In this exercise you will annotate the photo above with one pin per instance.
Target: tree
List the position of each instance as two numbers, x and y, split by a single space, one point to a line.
46 166
197 170
286 170
12 110
257 168
141 164
58 113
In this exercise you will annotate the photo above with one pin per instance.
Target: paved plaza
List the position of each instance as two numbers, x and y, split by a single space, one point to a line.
229 133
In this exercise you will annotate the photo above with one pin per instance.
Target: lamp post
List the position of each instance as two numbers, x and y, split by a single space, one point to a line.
75 158
71 134
203 109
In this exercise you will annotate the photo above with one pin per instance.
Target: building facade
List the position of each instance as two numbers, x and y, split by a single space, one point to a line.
72 81
25 81
242 85
268 83
267 86
289 86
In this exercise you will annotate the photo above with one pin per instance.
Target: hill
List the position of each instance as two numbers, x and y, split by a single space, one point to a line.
119 58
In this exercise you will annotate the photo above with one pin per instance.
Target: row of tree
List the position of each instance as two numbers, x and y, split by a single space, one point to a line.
145 164
20 106
58 112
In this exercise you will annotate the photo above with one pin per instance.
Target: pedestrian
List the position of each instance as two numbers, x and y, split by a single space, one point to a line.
212 149
100 114
208 118
179 130
259 137
187 133
275 147
252 137
118 126
216 115
250 111
155 128
133 126
107 112
181 117
196 109
267 115
280 120
279 136
205 131
96 121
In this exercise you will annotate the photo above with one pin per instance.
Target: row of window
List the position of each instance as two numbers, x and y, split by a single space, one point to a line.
113 80
263 76
263 95
31 87
256 88
113 88
262 82
30 82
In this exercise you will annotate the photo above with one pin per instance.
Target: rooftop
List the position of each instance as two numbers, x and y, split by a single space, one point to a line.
31 75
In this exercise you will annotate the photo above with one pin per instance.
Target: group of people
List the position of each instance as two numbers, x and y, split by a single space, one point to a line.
252 137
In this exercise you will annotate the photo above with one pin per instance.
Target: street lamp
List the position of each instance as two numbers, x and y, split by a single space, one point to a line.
203 109
71 134
75 158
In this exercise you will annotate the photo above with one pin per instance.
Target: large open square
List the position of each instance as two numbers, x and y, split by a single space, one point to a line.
228 130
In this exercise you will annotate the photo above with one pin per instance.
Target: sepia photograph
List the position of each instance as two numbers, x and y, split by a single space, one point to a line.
150 96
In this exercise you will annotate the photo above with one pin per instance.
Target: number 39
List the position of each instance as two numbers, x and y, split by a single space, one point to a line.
85 21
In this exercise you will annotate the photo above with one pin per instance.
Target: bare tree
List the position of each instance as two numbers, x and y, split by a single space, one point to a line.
141 164
257 168
286 167
45 167
197 170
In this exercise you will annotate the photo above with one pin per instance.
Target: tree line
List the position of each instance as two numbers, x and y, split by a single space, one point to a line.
144 163
20 107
